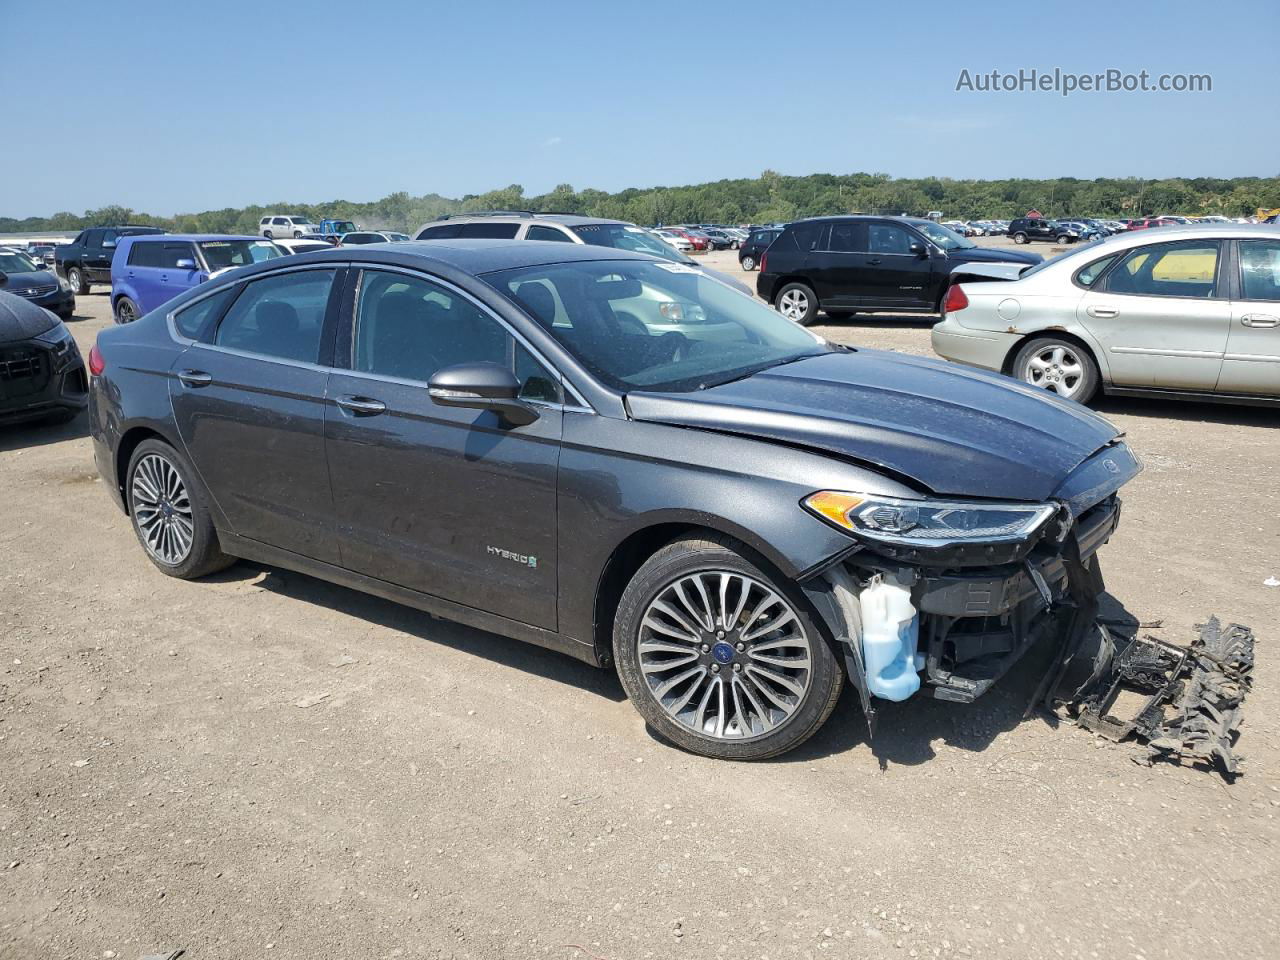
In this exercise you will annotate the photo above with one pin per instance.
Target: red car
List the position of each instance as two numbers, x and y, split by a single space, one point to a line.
1148 222
699 241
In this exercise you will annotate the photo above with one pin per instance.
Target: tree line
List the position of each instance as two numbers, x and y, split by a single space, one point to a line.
765 199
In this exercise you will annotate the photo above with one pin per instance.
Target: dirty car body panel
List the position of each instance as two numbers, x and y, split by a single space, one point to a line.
528 517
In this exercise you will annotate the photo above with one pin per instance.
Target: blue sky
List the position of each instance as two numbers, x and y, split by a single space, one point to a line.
169 108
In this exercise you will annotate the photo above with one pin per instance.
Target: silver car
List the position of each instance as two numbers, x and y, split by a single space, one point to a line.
1183 312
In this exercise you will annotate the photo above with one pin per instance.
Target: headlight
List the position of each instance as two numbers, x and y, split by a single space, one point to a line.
62 282
929 523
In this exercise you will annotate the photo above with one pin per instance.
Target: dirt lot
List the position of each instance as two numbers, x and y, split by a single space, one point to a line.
267 766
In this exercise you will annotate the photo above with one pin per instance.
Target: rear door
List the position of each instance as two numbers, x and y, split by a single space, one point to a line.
834 265
446 501
1162 316
249 399
1252 361
141 272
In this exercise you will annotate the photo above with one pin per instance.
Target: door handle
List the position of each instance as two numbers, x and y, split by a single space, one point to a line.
1260 320
1103 312
873 260
361 406
195 378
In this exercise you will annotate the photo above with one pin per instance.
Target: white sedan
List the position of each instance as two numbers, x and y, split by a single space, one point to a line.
1181 312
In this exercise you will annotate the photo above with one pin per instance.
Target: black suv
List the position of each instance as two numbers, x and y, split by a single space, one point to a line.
1026 229
855 263
755 245
86 260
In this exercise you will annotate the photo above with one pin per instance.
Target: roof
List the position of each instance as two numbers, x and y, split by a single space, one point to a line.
568 219
196 237
469 256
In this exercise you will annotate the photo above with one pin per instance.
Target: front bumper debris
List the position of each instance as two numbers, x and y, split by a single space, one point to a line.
1191 697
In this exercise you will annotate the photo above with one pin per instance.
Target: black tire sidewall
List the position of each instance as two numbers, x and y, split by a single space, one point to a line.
812 315
206 554
747 263
686 556
75 277
1019 238
1090 365
133 305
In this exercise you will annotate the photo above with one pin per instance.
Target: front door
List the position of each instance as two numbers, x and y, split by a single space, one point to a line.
450 502
250 408
172 279
99 249
1252 362
894 275
1160 316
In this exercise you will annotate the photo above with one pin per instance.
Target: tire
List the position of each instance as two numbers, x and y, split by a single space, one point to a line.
144 482
1059 365
734 245
75 277
1019 238
1064 240
759 718
267 234
797 302
297 234
747 263
126 311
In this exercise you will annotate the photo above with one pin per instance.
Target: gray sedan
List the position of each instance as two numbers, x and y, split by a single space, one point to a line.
1183 312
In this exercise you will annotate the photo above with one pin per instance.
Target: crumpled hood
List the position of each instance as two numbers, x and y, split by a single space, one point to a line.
953 430
994 255
21 319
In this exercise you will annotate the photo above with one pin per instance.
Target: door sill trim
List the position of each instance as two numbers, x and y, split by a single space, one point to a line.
256 551
1156 393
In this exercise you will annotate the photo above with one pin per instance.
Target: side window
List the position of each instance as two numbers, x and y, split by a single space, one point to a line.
887 238
489 231
107 235
1260 269
409 327
806 235
445 231
143 255
191 321
847 237
1167 270
280 222
280 316
1089 275
171 253
539 232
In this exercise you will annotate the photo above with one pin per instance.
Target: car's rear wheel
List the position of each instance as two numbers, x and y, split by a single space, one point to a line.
797 303
170 513
1019 238
267 234
1058 365
126 311
720 655
75 279
1064 239
748 262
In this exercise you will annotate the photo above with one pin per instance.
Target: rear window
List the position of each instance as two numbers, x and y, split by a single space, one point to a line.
806 235
445 231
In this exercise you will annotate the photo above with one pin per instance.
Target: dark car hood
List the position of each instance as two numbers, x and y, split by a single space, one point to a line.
952 430
994 255
20 320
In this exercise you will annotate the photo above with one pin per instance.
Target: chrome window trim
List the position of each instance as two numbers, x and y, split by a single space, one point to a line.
580 403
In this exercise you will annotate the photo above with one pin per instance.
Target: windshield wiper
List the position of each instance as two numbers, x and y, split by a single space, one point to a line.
758 368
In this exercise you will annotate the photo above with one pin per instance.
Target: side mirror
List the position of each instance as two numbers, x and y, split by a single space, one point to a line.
186 263
919 249
482 386
108 244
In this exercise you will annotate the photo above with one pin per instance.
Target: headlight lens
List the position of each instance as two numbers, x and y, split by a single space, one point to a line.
929 523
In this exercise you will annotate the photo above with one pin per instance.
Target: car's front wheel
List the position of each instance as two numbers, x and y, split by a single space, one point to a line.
720 655
170 513
797 303
75 279
748 262
126 311
1058 365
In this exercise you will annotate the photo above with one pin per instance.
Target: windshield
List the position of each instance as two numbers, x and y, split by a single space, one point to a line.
643 325
344 226
623 236
1073 258
221 254
13 261
944 237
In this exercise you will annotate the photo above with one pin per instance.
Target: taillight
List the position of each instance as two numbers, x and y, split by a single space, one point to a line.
96 363
956 300
764 262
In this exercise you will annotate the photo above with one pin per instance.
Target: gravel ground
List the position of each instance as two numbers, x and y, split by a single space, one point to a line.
263 765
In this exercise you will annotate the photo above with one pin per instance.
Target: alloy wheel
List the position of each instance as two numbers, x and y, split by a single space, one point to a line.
725 655
748 263
1056 368
162 509
125 312
793 305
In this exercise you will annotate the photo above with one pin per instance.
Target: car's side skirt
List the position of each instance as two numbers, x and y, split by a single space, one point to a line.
255 551
1155 393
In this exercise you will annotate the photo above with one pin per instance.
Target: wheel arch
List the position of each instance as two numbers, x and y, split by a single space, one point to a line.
1090 348
782 281
129 442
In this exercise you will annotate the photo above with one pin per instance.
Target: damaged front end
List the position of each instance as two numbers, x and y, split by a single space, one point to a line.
948 614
